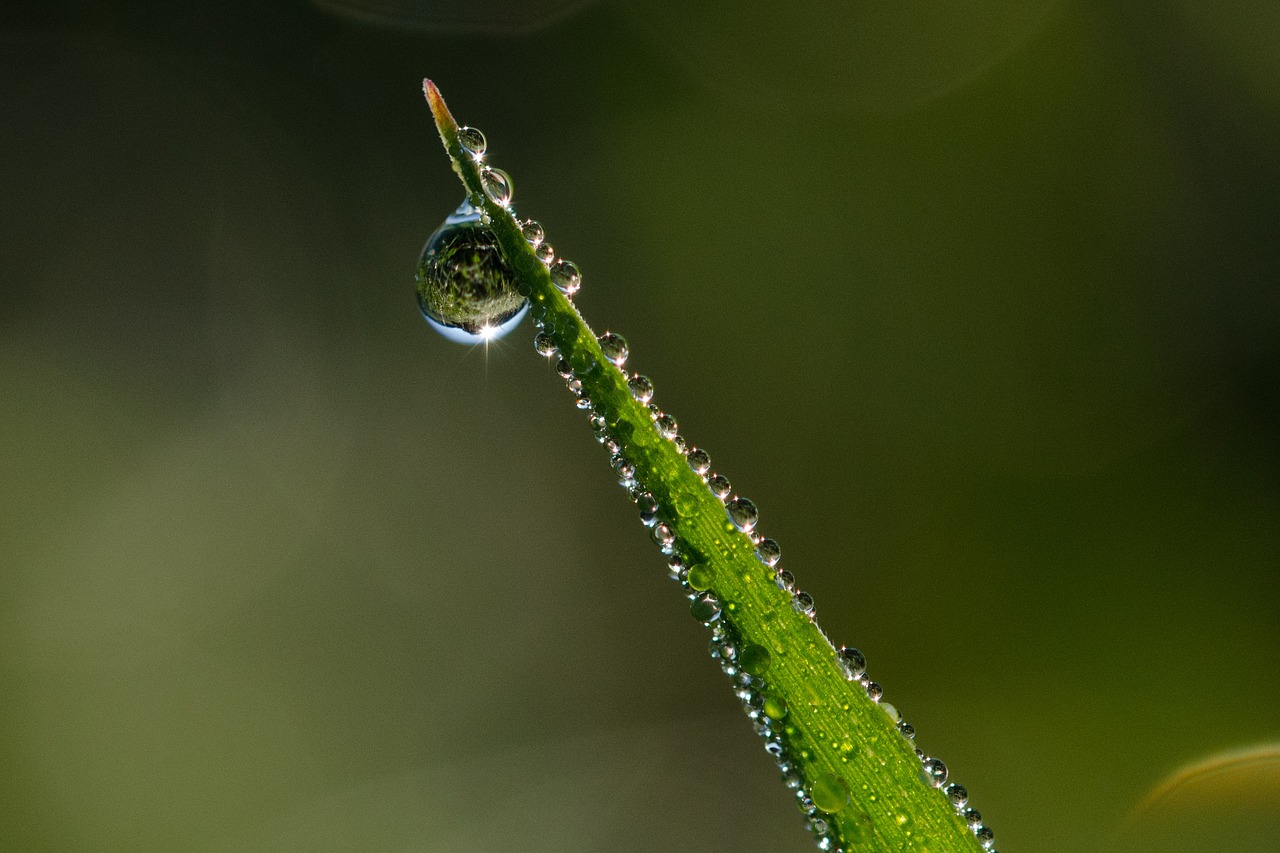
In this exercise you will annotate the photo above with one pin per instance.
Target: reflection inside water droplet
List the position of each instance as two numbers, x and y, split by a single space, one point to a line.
466 290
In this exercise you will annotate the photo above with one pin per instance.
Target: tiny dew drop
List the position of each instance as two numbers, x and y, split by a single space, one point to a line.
641 387
699 460
497 185
566 276
473 141
768 552
853 662
545 252
775 707
743 514
614 347
719 485
532 232
701 576
755 660
934 772
544 344
706 608
829 793
958 795
465 288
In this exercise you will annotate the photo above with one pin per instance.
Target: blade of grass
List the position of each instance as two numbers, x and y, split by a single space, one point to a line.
852 761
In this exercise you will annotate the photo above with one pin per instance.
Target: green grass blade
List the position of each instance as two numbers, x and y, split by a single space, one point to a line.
846 750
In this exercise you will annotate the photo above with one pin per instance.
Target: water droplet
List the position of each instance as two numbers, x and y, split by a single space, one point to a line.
497 185
532 232
625 470
648 505
566 276
957 795
719 485
775 707
755 660
985 837
641 387
853 661
614 347
874 691
803 603
743 514
663 535
829 793
972 817
892 711
785 581
768 552
473 141
544 252
666 425
705 608
545 344
465 288
699 460
680 443
701 576
675 567
564 368
907 730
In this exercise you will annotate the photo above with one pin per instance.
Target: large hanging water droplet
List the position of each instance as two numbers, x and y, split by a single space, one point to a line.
473 141
466 290
497 185
566 276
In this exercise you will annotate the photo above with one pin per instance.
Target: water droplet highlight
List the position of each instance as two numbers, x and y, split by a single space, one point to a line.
473 141
497 185
466 291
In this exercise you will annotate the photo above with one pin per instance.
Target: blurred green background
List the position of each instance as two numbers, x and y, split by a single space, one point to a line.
977 303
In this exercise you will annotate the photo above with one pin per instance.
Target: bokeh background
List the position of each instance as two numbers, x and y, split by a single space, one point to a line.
977 301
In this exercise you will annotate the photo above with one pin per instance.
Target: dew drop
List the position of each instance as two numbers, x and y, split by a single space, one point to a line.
497 185
892 711
853 662
785 581
701 576
755 660
699 460
641 387
934 771
564 368
544 252
648 506
972 817
719 485
566 276
743 514
768 552
705 608
473 141
985 837
666 425
803 603
829 793
874 691
775 707
614 347
545 344
466 291
907 730
958 795
532 232
663 535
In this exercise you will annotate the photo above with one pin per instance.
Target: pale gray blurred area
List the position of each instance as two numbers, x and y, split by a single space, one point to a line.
980 310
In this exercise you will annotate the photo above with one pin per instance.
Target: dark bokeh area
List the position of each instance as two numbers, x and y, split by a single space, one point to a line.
978 305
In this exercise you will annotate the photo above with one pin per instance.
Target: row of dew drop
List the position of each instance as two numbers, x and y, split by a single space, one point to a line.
468 292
